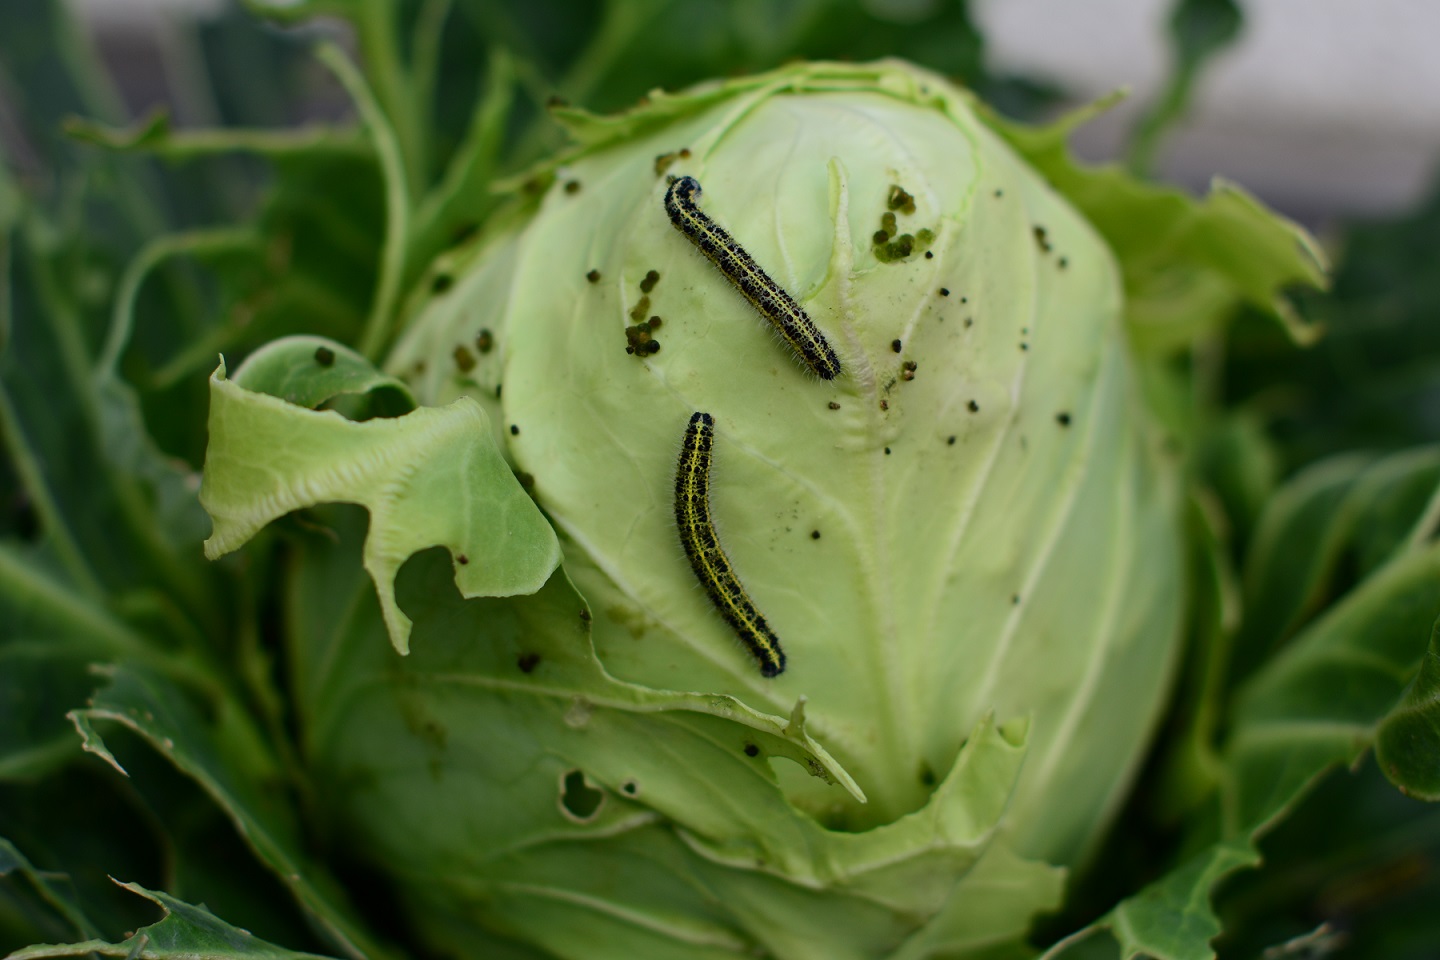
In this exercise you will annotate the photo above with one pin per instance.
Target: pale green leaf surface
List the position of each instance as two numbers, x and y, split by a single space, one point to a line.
1020 433
430 478
310 371
990 910
186 932
685 807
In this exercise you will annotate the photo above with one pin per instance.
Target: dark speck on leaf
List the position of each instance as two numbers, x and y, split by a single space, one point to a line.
896 345
814 534
887 451
593 276
464 232
1040 239
461 559
929 255
441 283
514 430
974 407
324 356
834 405
484 341
1063 419
585 615
944 292
464 359
950 441
751 750
572 186
527 662
651 278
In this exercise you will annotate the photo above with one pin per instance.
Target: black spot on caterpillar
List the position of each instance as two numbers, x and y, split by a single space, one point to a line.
707 558
774 304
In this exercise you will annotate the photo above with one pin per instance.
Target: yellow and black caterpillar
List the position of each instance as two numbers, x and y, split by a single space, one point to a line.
707 558
774 304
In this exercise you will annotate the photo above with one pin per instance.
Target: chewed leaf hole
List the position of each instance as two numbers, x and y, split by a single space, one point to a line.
579 801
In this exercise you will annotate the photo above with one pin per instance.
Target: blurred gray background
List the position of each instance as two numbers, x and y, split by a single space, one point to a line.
1322 107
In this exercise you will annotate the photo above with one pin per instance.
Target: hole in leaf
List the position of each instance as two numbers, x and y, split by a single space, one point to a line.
578 800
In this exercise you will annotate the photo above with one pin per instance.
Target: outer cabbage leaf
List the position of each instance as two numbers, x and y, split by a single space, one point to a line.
1320 701
58 905
212 739
1407 745
1187 265
563 806
432 477
186 932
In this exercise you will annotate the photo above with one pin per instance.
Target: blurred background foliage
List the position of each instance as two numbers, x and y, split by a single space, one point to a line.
251 208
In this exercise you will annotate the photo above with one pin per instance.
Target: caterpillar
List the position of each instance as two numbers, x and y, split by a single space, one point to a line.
707 558
774 304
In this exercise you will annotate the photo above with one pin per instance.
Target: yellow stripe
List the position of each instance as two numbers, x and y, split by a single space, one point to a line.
754 284
707 558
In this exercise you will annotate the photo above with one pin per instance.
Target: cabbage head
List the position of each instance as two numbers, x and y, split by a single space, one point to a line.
969 542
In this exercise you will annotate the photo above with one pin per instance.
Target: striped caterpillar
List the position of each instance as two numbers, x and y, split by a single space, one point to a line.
774 304
707 558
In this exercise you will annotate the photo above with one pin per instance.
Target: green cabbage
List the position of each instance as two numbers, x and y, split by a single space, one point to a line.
970 543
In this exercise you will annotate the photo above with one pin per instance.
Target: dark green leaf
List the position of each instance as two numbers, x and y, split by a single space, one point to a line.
1199 29
210 738
186 932
1407 745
